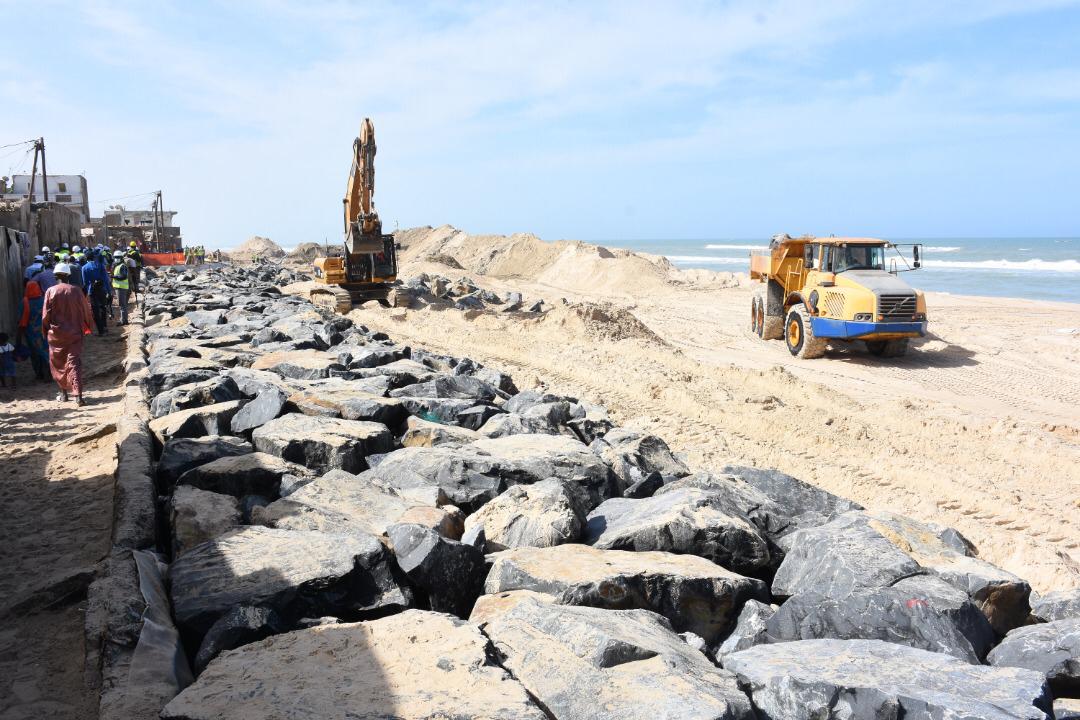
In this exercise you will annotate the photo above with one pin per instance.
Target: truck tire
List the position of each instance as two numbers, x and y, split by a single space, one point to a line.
888 348
772 328
755 309
799 335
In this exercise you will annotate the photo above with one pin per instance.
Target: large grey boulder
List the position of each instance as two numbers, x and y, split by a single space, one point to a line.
252 382
593 664
297 573
453 387
526 399
1058 605
424 433
322 443
208 392
400 372
473 474
172 371
633 455
373 356
545 418
337 502
750 629
450 573
739 498
196 422
205 318
182 454
199 515
416 665
685 521
1052 649
547 513
1002 596
241 625
299 364
807 504
839 557
348 403
266 406
250 474
812 679
920 611
694 594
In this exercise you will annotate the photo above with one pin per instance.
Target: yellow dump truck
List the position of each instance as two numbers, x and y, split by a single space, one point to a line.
815 291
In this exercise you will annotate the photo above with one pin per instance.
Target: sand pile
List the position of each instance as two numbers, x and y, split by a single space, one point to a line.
256 245
570 266
599 321
306 252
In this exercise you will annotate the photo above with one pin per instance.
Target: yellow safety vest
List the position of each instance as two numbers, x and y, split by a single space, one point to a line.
120 283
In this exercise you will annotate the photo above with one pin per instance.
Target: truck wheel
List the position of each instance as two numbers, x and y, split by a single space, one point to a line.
799 335
888 348
772 328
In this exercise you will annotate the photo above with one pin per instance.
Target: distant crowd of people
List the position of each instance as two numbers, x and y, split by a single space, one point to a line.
67 293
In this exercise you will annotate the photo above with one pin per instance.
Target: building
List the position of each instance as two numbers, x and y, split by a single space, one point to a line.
67 190
119 216
119 226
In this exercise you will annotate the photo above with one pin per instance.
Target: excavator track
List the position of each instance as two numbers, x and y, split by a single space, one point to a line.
332 297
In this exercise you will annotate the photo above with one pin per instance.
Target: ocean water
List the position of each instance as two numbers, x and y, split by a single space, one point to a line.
1033 268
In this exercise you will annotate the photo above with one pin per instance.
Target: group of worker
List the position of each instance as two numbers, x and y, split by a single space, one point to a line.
66 294
194 255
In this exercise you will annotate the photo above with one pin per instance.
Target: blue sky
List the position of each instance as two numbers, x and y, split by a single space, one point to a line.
584 120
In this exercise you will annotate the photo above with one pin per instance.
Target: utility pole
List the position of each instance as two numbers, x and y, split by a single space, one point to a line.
105 224
44 172
161 212
33 174
39 147
153 209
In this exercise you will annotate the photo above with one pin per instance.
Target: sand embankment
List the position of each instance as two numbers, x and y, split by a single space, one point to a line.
977 428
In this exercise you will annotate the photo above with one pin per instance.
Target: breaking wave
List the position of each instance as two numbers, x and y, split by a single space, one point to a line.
1064 266
736 247
942 248
710 259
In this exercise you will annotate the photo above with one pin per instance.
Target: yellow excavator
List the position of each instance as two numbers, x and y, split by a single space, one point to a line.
368 266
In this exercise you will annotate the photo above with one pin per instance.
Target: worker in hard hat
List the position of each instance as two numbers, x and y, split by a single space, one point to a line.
135 266
121 283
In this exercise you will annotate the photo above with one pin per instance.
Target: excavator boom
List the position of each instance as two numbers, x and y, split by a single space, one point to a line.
359 195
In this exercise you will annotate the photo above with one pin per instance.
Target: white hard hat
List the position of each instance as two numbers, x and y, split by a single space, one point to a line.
45 249
62 269
76 249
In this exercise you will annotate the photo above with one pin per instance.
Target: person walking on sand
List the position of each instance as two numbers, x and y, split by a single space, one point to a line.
98 286
30 330
66 319
121 284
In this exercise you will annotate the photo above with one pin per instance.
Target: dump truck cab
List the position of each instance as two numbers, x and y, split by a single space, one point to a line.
818 290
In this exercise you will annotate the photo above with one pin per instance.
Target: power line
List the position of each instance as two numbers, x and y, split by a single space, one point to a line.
24 142
125 197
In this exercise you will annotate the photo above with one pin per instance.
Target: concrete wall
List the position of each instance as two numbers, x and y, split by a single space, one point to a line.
45 224
55 224
13 260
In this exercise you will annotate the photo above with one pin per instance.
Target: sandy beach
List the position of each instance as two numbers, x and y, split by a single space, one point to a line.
977 428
